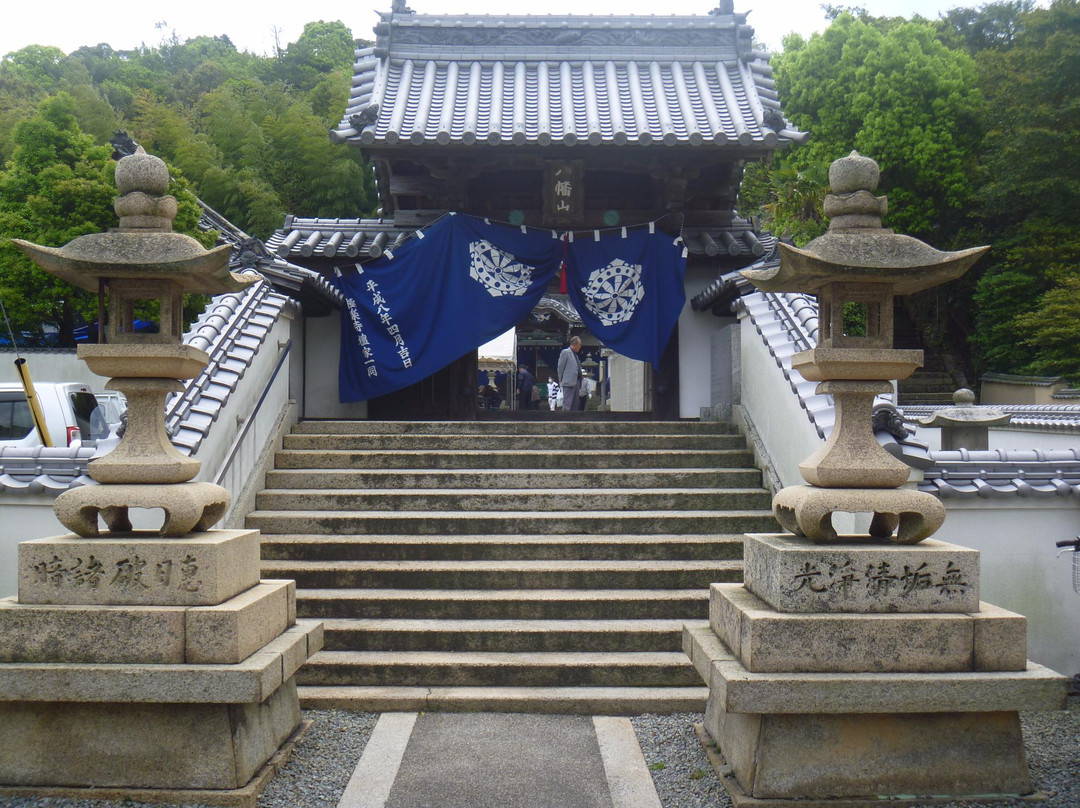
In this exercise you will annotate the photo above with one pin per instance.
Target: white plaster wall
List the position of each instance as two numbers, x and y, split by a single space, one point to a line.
51 367
322 347
1020 568
1009 439
1031 439
696 329
779 418
27 516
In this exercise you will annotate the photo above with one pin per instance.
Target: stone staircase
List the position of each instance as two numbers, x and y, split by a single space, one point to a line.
510 566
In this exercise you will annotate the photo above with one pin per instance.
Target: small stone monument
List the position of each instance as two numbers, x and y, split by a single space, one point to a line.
965 426
137 660
857 670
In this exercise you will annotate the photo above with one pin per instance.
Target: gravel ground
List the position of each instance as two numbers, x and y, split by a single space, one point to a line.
321 765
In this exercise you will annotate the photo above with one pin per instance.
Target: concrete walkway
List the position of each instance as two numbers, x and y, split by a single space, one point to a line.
489 760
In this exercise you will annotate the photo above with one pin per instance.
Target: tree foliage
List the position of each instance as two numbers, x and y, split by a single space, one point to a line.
246 133
892 90
57 186
249 132
1029 187
973 119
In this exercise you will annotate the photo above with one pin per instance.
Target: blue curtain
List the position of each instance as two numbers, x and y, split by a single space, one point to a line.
628 289
463 281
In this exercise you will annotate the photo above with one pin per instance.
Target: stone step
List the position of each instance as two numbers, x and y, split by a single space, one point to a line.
538 700
505 574
439 523
583 547
534 442
498 459
541 566
515 478
513 500
511 636
499 669
504 604
548 427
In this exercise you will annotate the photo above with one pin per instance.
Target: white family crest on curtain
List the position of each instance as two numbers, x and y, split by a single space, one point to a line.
614 292
497 270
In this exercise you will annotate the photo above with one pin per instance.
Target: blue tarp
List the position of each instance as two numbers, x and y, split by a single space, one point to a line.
463 281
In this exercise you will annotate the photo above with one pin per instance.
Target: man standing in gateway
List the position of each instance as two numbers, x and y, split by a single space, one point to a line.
570 374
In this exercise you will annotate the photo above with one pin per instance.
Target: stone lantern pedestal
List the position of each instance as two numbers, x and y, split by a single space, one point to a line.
863 669
152 665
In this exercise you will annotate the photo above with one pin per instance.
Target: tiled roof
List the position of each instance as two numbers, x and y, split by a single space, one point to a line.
722 295
1033 417
570 80
250 253
997 474
788 323
43 469
344 239
365 239
231 329
1012 378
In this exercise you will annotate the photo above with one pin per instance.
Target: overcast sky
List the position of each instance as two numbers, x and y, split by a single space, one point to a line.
70 24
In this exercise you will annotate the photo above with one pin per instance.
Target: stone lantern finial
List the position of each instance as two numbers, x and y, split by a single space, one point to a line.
143 204
852 204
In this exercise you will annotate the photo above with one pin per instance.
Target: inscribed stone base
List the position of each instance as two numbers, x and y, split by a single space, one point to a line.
792 574
203 569
765 640
161 635
189 746
825 757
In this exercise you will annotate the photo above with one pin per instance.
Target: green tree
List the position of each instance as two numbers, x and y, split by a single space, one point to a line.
322 48
1028 189
993 25
788 199
892 90
1050 331
57 186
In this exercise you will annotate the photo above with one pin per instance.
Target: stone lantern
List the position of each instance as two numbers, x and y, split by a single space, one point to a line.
134 663
862 263
142 260
863 670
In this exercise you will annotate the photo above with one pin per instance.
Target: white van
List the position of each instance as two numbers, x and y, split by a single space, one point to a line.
70 409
